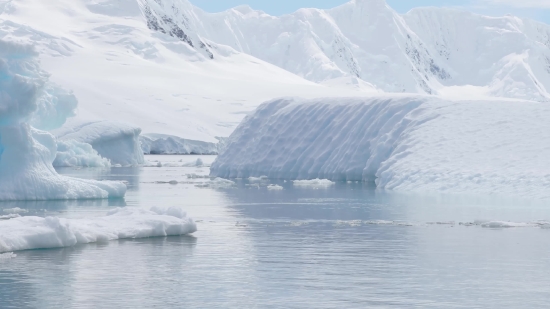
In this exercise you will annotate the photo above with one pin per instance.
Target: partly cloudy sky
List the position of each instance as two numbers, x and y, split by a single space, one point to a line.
535 9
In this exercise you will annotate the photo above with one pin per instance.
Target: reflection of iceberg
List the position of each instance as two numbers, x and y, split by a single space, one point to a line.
26 154
34 232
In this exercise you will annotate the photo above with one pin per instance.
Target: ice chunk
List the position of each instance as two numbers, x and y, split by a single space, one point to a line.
15 210
26 154
313 183
116 141
217 183
74 153
168 144
51 232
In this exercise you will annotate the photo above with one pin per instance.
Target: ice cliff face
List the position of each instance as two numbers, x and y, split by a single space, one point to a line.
399 142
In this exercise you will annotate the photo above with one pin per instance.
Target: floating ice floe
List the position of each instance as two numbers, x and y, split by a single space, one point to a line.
217 183
51 232
313 183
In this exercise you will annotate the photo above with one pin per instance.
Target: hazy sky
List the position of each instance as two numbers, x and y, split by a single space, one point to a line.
536 9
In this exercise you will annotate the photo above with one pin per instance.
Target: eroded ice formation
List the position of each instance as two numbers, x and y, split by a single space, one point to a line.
26 153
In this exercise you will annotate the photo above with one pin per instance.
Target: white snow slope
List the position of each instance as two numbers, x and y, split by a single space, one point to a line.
400 142
119 69
26 154
428 50
25 233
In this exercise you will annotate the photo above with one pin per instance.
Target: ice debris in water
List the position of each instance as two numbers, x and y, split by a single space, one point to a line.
51 232
15 210
7 256
217 183
314 182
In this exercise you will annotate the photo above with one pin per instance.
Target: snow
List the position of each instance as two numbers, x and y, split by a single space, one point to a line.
116 141
167 144
120 70
26 154
26 233
400 142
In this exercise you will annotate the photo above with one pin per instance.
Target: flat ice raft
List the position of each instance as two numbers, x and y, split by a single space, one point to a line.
401 142
25 233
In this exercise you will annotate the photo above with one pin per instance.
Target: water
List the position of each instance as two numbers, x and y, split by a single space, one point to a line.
295 248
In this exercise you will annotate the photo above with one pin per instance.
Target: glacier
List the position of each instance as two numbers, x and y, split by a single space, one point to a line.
26 153
24 233
399 142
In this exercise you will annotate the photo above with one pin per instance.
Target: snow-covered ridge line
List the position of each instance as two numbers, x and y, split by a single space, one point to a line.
24 233
406 143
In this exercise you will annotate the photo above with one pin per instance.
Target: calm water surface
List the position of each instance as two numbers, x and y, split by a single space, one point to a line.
294 248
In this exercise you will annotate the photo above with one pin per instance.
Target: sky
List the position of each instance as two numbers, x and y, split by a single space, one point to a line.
534 9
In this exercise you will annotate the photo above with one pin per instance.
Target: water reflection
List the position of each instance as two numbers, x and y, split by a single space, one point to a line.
292 248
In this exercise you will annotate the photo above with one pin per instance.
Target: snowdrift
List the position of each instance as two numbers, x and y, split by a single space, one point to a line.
25 233
115 141
399 142
26 154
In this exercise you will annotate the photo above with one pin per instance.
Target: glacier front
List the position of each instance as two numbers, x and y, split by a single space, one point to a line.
400 142
26 153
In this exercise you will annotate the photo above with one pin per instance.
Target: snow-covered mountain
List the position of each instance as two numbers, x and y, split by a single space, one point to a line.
165 80
427 50
170 68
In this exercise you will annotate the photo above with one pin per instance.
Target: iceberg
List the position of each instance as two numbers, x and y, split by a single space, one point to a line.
399 142
26 153
168 144
118 142
24 233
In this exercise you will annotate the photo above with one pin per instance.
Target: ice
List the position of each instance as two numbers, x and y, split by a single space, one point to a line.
7 256
166 144
26 154
217 183
116 141
51 232
10 216
399 142
74 153
313 182
15 210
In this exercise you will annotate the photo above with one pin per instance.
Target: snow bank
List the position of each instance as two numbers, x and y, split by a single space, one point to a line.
26 154
35 232
405 143
115 141
168 144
